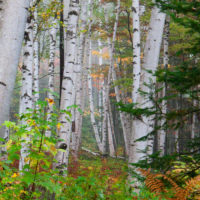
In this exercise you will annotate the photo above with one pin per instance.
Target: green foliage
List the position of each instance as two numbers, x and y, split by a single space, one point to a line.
37 177
187 14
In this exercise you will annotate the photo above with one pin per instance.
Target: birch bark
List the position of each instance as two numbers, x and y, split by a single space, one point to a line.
121 114
13 15
136 49
111 133
67 87
52 34
141 127
26 98
79 76
91 100
111 65
36 59
110 137
162 134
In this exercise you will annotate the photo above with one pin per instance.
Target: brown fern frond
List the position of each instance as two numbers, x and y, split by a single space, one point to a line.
152 182
193 186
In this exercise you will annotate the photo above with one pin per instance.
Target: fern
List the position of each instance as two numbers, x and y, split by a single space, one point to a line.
157 183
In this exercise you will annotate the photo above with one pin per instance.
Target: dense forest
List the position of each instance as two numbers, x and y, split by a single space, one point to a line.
100 99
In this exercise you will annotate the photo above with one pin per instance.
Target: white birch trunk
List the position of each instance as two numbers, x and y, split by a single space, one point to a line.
13 15
122 114
110 137
91 99
111 133
36 59
136 49
100 107
193 128
162 134
79 77
67 87
105 114
136 70
26 98
141 127
52 36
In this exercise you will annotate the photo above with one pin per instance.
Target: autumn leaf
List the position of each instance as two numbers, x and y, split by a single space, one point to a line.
58 126
50 101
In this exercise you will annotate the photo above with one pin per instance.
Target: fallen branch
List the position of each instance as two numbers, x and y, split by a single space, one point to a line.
98 154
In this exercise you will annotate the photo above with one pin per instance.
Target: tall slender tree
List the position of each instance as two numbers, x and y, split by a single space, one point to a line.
50 95
162 134
143 126
36 56
26 99
13 15
67 85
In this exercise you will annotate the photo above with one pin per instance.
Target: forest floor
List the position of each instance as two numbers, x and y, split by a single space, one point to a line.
93 177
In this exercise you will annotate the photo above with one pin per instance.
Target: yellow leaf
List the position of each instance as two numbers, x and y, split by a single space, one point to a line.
58 126
50 101
14 175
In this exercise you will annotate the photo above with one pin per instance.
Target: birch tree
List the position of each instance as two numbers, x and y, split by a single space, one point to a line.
91 100
26 99
79 77
67 86
111 61
136 49
162 134
52 36
106 89
141 127
36 57
13 15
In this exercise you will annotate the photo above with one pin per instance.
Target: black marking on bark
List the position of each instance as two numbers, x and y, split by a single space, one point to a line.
29 19
2 83
133 9
135 30
73 12
68 78
26 36
70 33
73 126
75 1
63 122
26 53
63 146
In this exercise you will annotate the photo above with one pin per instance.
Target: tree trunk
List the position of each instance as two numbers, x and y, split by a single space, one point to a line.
162 134
91 99
13 15
143 126
52 34
121 114
79 77
36 58
26 99
67 87
136 49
